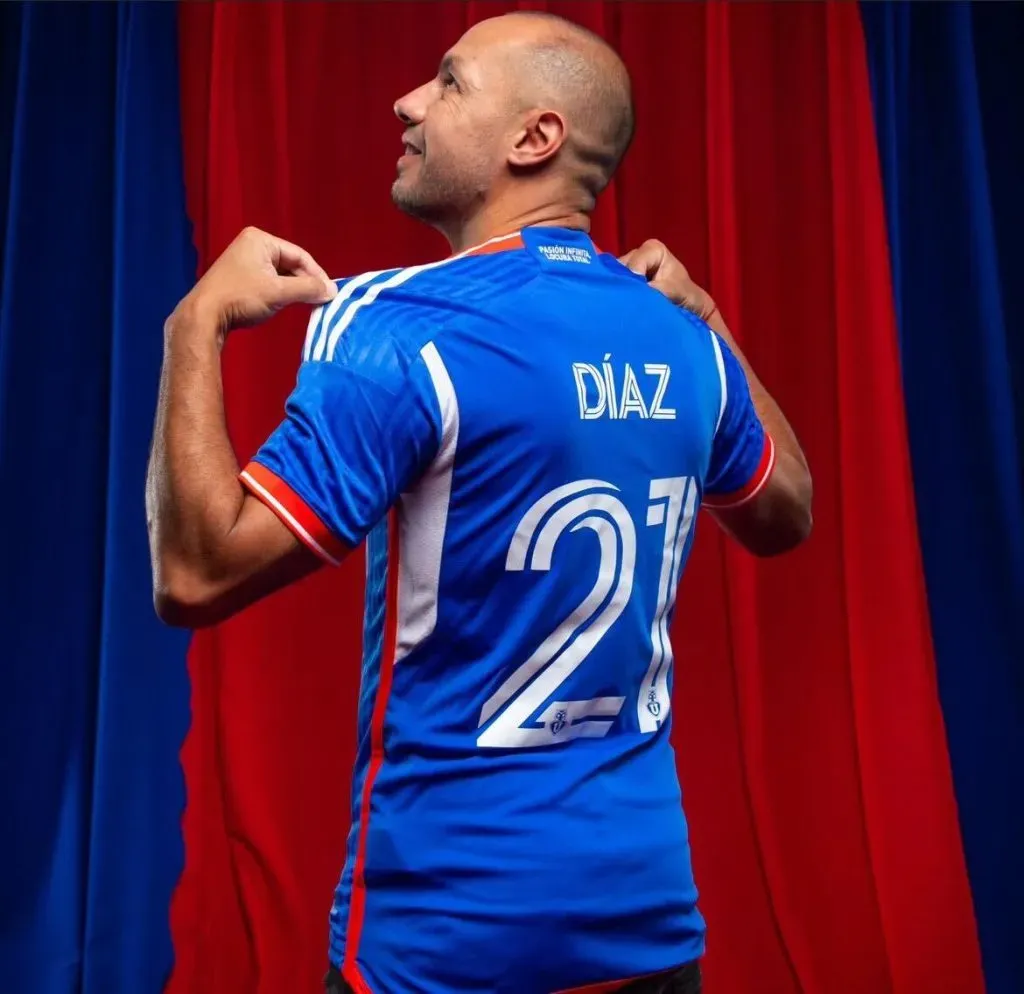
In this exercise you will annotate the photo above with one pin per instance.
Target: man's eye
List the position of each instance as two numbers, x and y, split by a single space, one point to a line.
449 82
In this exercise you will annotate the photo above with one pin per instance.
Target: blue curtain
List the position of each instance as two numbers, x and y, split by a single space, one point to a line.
93 690
949 118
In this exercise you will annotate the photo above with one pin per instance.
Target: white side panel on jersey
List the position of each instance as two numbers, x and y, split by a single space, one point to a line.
422 517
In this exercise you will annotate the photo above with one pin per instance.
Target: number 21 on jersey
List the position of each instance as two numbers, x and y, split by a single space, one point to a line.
591 504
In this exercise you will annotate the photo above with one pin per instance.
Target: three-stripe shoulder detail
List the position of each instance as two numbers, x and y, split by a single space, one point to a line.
329 321
326 318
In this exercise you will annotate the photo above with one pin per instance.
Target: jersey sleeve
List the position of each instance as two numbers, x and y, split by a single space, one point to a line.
359 428
743 453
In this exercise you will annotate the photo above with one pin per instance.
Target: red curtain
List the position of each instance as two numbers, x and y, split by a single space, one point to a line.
809 738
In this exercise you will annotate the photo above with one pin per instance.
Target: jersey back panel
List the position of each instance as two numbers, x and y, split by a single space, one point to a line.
542 427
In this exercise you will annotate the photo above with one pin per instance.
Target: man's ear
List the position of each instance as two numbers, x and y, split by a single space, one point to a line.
542 134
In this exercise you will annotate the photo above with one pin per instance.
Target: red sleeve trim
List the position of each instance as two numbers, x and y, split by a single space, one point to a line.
756 484
296 514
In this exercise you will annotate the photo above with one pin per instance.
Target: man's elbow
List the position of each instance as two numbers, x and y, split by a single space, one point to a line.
786 535
185 600
792 520
778 521
174 610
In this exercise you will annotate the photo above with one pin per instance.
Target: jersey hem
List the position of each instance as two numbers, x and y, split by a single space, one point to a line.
300 519
351 973
608 986
354 978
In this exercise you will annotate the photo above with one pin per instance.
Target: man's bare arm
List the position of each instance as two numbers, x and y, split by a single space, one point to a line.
779 517
214 548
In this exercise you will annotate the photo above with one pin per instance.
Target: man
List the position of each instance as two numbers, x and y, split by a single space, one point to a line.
545 428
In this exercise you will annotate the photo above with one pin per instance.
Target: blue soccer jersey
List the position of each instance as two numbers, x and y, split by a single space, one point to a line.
545 427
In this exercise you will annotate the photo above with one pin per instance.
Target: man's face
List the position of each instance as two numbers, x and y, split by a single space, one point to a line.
456 125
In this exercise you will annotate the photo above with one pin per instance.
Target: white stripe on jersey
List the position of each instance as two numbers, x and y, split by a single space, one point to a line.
423 516
331 309
720 362
311 329
371 295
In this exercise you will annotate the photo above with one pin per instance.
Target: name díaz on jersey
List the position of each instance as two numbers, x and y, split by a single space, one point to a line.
614 393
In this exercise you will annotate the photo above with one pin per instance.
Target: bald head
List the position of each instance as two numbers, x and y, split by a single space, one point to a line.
527 117
565 66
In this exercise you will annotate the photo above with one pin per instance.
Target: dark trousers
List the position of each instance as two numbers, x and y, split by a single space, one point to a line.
685 980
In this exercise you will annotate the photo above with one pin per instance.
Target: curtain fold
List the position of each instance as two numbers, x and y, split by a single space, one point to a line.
94 696
807 724
948 115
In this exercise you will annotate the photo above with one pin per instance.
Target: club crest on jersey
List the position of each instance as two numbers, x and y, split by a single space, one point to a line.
617 394
653 704
561 720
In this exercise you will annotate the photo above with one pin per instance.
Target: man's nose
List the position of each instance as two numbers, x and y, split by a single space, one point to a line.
402 112
411 108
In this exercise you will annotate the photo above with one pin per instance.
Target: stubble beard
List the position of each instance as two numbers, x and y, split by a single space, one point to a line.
436 199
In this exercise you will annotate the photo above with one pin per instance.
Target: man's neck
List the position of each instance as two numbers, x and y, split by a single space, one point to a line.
495 222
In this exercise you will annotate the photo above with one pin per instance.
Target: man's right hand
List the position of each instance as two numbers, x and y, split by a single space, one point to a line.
667 274
257 275
215 548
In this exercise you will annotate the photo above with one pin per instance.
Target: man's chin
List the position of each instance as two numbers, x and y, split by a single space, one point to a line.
401 194
406 200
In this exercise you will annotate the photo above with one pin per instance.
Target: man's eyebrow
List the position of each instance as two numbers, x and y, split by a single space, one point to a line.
448 64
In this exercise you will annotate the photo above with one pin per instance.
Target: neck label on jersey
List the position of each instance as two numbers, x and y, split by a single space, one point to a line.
565 253
558 248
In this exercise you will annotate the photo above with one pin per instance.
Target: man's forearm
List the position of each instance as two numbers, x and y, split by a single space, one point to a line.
193 498
782 518
774 421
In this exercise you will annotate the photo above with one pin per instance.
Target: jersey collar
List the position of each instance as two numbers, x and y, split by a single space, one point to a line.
502 243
